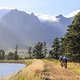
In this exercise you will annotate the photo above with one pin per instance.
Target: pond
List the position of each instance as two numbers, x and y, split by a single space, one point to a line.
10 68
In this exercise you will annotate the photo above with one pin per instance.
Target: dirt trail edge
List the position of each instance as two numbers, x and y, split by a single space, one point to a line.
30 72
59 73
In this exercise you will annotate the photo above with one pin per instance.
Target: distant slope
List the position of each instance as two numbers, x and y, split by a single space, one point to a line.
27 29
3 12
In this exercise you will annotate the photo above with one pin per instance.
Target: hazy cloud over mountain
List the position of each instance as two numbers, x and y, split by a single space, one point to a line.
27 29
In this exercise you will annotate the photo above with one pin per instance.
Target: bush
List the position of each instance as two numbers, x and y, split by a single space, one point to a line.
73 57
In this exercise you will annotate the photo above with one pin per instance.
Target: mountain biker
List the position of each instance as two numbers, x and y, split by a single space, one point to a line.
64 60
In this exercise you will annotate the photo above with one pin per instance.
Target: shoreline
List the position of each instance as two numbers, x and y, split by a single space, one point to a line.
25 62
30 72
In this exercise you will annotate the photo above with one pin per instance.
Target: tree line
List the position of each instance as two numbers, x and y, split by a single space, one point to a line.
11 55
69 45
40 50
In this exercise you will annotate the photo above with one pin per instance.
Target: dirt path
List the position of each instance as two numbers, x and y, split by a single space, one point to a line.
59 73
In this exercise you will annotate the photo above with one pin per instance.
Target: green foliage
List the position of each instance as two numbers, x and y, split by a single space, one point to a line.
30 52
2 54
16 52
71 41
51 54
11 56
40 50
75 57
55 52
45 52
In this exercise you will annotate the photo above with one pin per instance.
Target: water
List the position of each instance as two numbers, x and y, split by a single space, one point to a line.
10 68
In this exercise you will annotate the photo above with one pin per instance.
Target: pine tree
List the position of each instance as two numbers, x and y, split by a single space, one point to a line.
71 41
2 54
45 49
37 50
16 52
30 52
55 48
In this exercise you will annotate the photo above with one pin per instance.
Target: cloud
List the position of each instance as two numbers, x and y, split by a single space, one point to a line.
73 13
44 17
6 8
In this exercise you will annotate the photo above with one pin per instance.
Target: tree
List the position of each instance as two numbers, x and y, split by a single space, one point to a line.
16 52
55 48
37 50
30 52
11 56
2 54
44 49
71 41
51 55
72 37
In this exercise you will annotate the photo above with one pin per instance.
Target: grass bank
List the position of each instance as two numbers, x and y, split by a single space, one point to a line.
12 77
27 62
30 72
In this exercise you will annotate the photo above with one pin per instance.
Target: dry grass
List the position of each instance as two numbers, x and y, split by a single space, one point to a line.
72 73
75 67
31 72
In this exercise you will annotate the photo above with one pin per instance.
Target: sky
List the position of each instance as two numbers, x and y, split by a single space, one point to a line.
48 7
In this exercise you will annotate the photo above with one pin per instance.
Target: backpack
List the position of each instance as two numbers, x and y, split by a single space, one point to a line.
65 58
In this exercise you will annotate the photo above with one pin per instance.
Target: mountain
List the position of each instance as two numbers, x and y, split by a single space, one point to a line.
19 27
3 12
